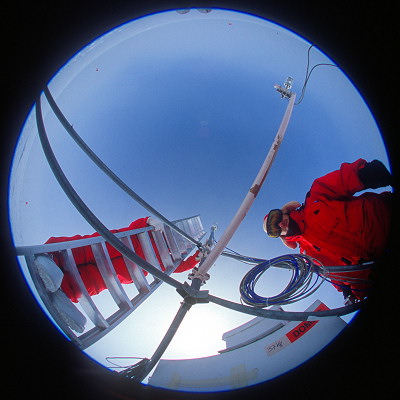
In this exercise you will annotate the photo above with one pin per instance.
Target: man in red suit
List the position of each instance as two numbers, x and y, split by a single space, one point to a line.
336 227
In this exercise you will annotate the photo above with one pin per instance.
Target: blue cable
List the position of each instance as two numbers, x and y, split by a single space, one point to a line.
303 282
307 276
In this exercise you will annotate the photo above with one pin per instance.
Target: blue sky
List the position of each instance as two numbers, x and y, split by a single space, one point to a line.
182 108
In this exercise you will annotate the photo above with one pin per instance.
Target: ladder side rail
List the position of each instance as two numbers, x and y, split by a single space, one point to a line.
94 335
46 298
109 275
172 244
85 300
136 273
162 249
71 244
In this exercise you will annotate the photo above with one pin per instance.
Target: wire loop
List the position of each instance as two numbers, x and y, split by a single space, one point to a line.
304 281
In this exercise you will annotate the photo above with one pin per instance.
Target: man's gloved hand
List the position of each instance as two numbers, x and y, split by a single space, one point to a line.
375 175
156 223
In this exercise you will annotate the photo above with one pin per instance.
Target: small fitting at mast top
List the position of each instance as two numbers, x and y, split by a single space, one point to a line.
285 89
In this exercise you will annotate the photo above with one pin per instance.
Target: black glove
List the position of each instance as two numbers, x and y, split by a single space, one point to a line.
375 175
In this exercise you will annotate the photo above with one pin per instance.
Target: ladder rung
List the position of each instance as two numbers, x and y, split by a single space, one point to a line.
185 227
191 227
179 241
171 242
162 249
134 270
85 300
148 250
109 275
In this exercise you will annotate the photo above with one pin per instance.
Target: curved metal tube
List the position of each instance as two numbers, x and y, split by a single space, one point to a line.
89 152
86 212
285 315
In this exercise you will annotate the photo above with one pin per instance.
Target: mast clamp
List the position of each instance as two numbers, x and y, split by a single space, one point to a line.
193 296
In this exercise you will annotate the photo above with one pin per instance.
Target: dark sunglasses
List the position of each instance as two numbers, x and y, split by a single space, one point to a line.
272 223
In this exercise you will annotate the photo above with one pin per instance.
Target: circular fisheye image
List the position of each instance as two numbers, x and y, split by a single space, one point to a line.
199 200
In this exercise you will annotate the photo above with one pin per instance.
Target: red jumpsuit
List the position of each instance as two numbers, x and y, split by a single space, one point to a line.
89 271
341 229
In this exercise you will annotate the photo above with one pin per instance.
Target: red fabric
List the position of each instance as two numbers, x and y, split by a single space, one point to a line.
89 271
339 228
189 263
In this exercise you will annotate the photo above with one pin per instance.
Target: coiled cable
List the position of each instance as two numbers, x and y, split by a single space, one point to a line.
306 278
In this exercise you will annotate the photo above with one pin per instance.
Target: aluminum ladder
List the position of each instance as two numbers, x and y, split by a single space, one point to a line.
172 248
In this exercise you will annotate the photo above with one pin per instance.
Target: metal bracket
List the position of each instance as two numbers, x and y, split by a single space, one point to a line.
285 94
285 91
196 274
193 296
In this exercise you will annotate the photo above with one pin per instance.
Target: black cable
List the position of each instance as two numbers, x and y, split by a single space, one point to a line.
135 369
308 74
108 358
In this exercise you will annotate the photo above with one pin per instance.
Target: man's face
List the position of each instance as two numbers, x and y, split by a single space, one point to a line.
284 224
